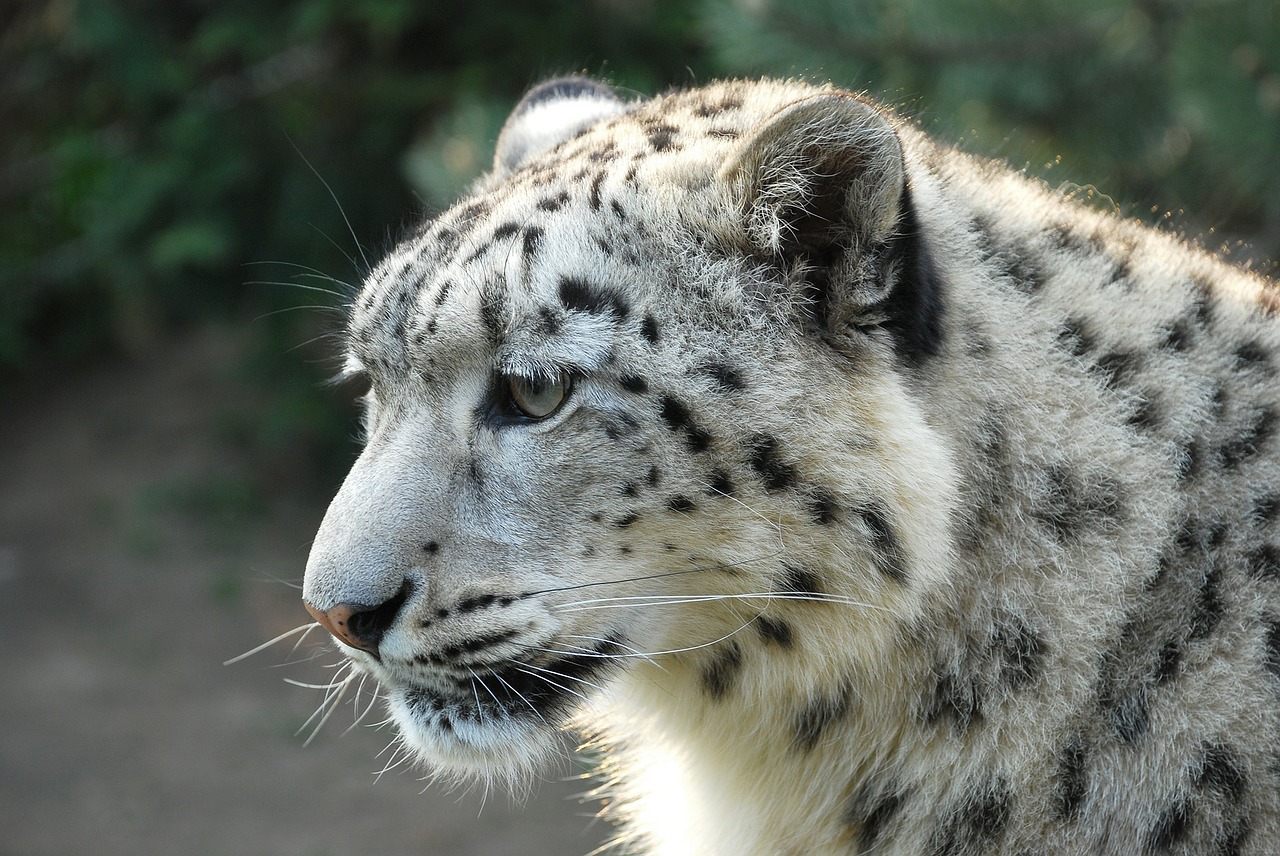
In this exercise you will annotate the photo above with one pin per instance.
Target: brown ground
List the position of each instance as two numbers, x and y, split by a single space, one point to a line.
120 729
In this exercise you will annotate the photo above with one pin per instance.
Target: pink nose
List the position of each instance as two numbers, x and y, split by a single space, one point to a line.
349 624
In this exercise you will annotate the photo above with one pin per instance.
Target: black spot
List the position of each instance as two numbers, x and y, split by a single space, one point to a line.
1070 239
952 700
626 520
719 675
649 329
1073 336
1205 303
678 419
728 379
719 484
1073 506
1209 606
1230 841
1218 402
775 631
1009 261
443 293
890 556
580 296
681 504
1021 652
976 825
871 810
1146 415
618 210
654 476
493 310
1264 563
532 240
764 459
1221 770
1252 355
1272 662
549 321
1251 441
474 471
1178 336
1118 367
820 714
822 507
797 580
629 489
1170 661
1073 783
1170 828
471 604
661 137
506 230
632 383
1267 507
554 203
1127 709
1189 461
430 547
593 196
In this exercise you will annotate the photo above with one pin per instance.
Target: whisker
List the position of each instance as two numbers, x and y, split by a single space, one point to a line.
519 694
550 682
334 197
614 642
304 286
525 666
315 307
475 679
312 272
333 697
723 566
361 714
773 524
626 601
304 629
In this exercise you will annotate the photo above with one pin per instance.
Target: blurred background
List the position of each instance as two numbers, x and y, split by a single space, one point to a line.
189 192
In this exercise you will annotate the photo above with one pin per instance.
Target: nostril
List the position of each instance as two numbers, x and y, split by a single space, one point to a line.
359 625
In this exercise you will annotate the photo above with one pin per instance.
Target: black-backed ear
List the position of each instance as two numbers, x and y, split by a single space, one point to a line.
823 191
549 114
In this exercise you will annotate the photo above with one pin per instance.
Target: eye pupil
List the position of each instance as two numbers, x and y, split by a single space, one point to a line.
537 398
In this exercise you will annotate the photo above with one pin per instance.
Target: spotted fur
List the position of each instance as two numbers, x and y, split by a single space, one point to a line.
848 494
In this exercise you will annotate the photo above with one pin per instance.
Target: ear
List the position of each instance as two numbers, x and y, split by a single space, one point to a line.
549 114
822 187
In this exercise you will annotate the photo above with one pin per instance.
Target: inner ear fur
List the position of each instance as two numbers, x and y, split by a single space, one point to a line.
828 169
823 194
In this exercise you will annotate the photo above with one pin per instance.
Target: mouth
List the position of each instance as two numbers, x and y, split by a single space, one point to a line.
503 717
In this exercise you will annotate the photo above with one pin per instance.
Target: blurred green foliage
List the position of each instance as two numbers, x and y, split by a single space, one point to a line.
168 162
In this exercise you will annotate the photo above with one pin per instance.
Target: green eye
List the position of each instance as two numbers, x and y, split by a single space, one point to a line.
538 399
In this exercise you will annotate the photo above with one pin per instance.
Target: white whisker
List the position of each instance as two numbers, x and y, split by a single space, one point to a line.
304 629
627 601
524 667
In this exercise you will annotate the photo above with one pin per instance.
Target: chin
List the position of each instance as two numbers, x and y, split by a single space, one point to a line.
470 744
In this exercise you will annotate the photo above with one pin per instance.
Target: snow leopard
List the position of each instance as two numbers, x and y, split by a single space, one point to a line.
841 492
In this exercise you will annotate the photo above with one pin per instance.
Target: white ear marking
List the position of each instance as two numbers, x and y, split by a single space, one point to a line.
549 114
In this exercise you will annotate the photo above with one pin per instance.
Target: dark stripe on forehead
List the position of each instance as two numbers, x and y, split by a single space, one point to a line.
494 311
579 295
